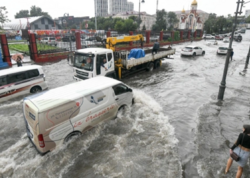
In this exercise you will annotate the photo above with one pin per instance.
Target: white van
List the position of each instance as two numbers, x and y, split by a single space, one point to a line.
21 80
56 115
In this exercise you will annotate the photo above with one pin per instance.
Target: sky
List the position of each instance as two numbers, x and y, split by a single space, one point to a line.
80 8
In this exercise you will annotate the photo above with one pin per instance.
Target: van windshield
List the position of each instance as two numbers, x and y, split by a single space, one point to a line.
84 61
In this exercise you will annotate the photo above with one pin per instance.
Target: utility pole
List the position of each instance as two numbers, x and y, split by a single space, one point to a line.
157 3
95 16
223 82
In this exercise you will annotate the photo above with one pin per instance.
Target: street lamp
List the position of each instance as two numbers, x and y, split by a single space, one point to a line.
140 13
223 82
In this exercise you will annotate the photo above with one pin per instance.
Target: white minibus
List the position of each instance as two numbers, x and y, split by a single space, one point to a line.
53 117
21 80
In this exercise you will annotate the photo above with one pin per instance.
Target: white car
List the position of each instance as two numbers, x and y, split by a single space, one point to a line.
226 40
49 41
192 51
222 50
208 36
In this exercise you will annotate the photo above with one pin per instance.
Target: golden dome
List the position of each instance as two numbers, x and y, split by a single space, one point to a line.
194 2
183 11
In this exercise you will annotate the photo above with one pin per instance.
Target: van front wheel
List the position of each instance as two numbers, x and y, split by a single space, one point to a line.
35 89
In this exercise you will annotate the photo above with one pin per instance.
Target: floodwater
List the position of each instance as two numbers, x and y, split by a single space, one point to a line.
175 129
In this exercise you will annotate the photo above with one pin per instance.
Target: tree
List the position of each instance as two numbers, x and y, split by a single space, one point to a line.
144 27
161 23
34 11
3 15
247 19
129 25
172 20
22 14
119 26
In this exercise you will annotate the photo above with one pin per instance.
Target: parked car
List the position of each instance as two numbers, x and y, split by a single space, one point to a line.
49 40
208 36
219 37
67 38
222 50
192 51
226 39
238 37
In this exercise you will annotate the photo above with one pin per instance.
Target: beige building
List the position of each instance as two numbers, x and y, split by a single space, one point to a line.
147 19
193 19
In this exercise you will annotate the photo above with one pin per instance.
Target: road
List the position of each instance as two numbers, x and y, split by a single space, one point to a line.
175 129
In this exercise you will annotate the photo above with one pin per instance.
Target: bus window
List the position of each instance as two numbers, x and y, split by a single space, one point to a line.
33 73
16 77
3 80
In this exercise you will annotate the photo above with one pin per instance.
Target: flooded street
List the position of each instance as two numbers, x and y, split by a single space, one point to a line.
175 129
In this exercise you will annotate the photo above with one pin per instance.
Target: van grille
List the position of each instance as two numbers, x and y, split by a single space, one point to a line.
82 73
81 77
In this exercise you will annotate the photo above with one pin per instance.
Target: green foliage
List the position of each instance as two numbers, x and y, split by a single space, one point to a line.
176 36
219 24
247 20
34 11
172 20
24 47
3 15
161 23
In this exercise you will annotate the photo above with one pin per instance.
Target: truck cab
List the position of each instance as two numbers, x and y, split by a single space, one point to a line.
92 62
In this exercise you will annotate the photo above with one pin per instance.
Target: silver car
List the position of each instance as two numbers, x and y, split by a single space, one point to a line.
222 50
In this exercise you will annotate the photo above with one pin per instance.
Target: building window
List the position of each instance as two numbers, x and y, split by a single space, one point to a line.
36 27
42 21
46 26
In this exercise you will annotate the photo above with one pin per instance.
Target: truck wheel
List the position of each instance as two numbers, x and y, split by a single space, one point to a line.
157 64
35 89
71 136
150 67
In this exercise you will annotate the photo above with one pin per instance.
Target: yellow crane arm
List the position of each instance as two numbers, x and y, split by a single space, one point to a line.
112 41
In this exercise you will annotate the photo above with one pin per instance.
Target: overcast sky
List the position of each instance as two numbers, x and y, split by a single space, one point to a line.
80 8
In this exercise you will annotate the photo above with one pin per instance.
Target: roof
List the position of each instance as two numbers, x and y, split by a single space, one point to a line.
62 95
93 50
194 2
22 22
18 69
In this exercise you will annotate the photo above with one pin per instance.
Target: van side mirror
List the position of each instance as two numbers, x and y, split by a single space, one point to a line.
129 90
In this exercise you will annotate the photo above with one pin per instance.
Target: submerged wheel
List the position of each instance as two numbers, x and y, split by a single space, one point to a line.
150 67
157 64
203 53
35 89
194 54
71 136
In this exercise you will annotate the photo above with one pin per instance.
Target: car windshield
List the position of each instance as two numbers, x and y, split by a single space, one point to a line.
188 48
52 38
84 61
222 48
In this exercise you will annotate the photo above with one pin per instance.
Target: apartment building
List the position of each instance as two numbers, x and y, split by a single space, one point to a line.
101 7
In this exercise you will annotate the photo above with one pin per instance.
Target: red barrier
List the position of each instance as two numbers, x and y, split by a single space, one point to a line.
78 40
181 35
131 34
5 49
108 34
189 34
148 37
33 47
161 36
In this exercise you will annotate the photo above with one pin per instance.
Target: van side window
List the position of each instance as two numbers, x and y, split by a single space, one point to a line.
3 80
120 89
109 56
16 77
33 73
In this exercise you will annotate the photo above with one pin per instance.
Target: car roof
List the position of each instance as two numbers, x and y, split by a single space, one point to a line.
18 69
62 95
191 46
93 50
